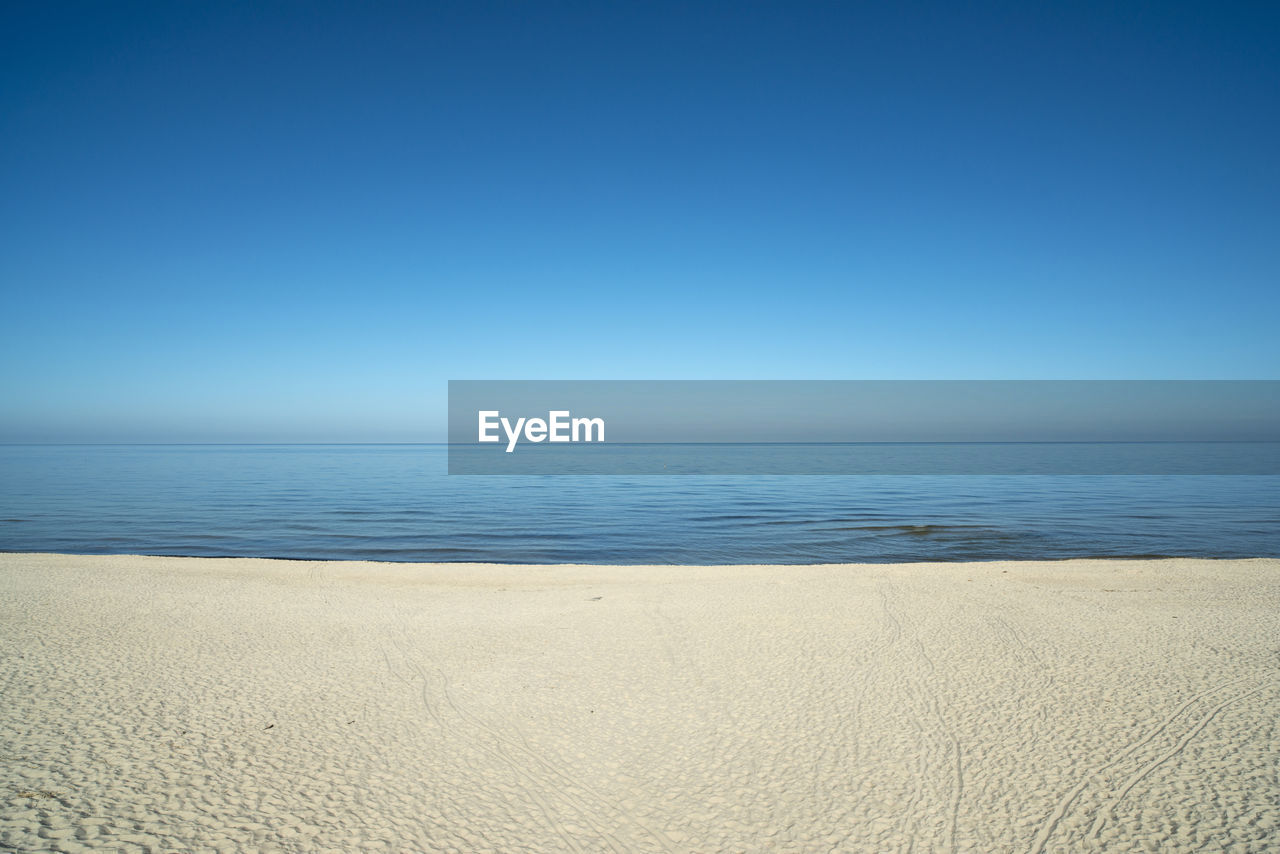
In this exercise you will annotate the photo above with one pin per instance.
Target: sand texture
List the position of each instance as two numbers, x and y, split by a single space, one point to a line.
174 704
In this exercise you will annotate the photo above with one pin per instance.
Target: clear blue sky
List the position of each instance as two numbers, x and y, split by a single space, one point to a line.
294 222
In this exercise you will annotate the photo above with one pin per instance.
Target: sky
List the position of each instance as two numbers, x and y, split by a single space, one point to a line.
297 221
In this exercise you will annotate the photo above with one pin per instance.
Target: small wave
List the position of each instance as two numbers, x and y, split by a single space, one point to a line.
915 530
726 518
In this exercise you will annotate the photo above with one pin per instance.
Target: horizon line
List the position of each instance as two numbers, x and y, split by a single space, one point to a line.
478 445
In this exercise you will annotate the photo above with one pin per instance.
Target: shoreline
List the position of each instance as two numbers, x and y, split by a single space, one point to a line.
1152 558
294 705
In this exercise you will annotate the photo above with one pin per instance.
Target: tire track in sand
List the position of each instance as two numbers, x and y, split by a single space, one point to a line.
411 655
940 747
1109 809
509 750
1060 810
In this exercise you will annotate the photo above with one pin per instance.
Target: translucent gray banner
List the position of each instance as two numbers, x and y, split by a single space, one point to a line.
715 427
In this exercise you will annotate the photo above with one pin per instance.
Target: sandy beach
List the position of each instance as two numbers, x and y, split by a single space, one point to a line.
175 704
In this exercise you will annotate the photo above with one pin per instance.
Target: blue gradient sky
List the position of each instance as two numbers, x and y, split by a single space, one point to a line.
295 222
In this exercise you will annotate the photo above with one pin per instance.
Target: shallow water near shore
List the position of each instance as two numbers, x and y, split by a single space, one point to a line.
396 502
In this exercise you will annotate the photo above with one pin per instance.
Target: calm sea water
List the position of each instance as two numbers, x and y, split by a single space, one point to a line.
396 502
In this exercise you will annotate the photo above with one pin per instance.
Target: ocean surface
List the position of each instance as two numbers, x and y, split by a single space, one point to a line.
396 502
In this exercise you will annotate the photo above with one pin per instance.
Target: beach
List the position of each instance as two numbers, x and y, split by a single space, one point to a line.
184 704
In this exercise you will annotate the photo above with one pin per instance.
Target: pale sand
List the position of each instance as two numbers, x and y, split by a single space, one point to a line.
239 705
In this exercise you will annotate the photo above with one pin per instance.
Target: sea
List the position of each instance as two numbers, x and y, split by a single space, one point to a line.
398 503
